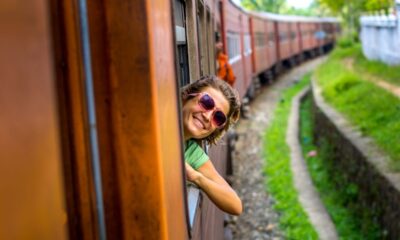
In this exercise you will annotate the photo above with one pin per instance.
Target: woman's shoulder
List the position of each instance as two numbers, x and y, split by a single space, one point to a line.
194 154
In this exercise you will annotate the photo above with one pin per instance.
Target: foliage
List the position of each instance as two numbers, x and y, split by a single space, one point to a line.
345 42
273 6
351 220
313 10
375 111
293 220
350 11
371 5
281 7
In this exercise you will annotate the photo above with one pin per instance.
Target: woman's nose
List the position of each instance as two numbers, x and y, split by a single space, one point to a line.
208 114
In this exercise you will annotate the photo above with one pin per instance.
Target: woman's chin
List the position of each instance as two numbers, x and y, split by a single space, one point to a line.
198 133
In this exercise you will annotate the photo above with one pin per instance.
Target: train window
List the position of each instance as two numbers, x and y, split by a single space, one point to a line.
260 39
247 44
293 35
200 37
233 46
271 38
282 36
210 44
181 43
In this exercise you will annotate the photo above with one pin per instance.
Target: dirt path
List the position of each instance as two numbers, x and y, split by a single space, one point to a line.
395 90
259 220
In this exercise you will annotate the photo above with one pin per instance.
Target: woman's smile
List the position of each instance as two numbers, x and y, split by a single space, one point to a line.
199 123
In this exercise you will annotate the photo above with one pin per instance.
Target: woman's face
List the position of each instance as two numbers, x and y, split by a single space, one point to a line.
197 122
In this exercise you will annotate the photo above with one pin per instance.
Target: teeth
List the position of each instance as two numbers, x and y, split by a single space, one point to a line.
199 123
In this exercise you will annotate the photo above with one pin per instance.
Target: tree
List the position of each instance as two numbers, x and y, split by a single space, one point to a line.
273 6
313 10
351 10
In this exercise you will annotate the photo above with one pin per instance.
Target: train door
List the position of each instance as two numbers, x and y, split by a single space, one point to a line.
181 43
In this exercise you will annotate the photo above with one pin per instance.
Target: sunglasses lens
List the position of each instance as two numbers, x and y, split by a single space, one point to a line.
219 118
207 102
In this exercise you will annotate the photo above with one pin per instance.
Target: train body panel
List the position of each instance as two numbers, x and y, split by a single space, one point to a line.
260 50
272 46
295 39
234 21
285 43
33 198
246 54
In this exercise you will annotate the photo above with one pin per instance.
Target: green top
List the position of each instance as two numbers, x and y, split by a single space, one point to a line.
194 154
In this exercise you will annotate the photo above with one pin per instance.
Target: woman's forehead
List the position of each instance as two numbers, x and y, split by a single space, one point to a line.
219 98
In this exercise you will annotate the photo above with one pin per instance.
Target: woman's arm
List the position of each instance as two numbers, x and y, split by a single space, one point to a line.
216 188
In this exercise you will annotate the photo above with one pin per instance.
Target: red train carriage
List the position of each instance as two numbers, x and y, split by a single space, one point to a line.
238 44
295 39
285 41
308 37
261 47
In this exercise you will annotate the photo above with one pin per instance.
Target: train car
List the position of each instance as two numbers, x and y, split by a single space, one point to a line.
195 46
260 37
91 144
329 27
237 40
308 38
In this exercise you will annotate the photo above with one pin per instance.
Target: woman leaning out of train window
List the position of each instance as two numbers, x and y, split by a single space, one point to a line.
210 107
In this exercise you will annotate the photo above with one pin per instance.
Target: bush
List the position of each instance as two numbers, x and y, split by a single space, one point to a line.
345 42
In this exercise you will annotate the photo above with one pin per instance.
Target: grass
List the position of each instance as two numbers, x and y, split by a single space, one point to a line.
340 202
375 68
375 111
293 221
364 66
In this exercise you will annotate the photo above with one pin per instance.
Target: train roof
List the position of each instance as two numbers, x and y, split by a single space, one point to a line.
291 18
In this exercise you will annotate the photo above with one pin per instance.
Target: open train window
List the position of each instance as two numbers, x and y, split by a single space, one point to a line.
200 36
247 44
210 44
189 47
271 38
181 43
260 39
233 46
293 35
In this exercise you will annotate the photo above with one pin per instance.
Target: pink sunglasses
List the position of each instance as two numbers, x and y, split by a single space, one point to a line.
208 104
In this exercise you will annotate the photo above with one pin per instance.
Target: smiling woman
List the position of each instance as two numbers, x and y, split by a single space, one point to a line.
210 107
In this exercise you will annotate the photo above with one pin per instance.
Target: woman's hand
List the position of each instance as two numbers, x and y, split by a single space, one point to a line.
191 174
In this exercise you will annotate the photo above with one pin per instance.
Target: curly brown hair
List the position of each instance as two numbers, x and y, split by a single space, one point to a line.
230 94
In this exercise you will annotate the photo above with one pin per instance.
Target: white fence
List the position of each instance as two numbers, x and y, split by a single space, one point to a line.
380 37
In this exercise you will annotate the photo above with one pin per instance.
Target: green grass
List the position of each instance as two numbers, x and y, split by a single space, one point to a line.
293 221
364 66
340 202
375 68
373 110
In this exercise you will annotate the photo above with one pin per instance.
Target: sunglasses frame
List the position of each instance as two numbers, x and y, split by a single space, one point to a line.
214 108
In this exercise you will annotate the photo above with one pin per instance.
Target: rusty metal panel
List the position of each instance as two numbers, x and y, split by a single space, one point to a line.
31 186
136 95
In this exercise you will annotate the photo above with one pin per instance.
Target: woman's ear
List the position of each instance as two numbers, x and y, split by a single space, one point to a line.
235 116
